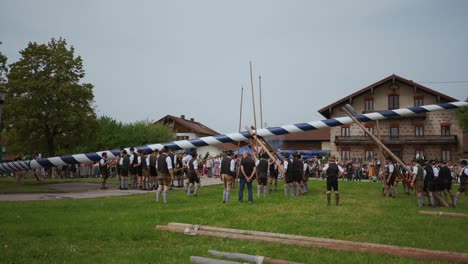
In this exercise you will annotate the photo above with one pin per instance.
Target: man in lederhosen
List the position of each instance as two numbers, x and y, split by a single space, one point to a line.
262 170
333 171
194 175
165 174
124 167
133 167
445 181
153 157
228 172
463 182
418 180
104 169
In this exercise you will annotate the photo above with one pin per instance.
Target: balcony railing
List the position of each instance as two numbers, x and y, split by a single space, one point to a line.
365 140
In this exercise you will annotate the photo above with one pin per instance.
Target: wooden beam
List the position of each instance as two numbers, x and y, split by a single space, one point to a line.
341 245
440 213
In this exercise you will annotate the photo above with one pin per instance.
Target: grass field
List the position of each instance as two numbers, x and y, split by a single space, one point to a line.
121 229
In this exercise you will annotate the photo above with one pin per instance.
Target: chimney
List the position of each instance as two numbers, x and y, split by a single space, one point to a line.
182 116
192 119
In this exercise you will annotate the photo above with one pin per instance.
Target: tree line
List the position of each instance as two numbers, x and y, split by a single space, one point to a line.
49 110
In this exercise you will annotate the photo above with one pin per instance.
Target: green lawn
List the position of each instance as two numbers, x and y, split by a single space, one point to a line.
121 229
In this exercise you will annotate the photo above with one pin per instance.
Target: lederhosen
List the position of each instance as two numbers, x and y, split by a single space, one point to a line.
152 165
429 179
463 181
293 171
140 167
133 170
144 166
262 170
273 171
332 176
445 178
193 177
226 171
419 182
164 177
104 169
125 165
299 176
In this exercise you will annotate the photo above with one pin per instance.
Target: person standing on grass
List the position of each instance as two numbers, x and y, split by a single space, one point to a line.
165 174
262 169
104 164
418 181
247 176
429 183
333 171
153 157
272 175
445 181
389 179
194 175
463 182
124 167
228 172
133 167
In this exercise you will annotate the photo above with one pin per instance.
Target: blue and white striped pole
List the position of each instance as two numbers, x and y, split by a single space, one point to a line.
232 137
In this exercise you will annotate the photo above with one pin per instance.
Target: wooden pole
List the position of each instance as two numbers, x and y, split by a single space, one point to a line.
249 258
273 156
253 97
381 154
240 117
341 245
261 108
440 213
202 260
377 141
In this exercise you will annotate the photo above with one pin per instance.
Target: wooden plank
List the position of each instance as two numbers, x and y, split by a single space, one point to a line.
440 213
334 244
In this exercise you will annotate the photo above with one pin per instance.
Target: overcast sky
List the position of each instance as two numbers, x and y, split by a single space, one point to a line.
147 59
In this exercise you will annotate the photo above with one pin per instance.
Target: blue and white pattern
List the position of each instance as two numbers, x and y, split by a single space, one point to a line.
232 137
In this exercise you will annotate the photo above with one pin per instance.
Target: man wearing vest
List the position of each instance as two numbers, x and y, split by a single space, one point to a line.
262 170
133 167
228 170
389 178
463 182
165 174
293 174
139 168
445 181
145 168
418 181
124 166
152 169
247 176
333 171
429 183
104 169
194 175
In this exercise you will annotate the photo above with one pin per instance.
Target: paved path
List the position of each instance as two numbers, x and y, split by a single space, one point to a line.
82 190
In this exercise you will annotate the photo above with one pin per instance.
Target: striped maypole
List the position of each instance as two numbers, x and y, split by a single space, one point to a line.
232 137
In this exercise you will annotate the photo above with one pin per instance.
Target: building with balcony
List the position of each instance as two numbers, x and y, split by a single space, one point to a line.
435 135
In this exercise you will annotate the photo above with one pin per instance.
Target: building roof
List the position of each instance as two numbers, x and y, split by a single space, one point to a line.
315 135
324 111
196 127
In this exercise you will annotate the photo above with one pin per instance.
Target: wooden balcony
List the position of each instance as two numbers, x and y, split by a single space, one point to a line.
387 140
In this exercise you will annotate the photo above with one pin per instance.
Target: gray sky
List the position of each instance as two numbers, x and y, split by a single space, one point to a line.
147 59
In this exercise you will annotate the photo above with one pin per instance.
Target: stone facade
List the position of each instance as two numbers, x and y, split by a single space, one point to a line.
436 135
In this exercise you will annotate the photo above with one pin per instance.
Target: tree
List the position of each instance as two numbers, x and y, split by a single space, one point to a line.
463 116
45 102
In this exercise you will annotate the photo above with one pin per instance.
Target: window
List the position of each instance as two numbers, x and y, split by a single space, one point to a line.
445 130
345 155
419 154
446 155
345 131
369 155
394 132
419 131
418 101
369 104
393 101
182 137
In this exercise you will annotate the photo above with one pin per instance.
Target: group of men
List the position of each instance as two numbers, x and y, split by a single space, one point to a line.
160 166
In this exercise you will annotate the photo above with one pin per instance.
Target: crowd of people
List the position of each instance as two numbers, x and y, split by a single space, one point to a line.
164 169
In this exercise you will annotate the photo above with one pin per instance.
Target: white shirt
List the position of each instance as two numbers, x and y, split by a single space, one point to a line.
285 165
436 171
186 159
168 162
339 168
465 169
195 164
390 167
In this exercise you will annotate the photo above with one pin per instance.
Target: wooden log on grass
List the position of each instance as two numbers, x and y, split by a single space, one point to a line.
341 245
440 213
202 260
249 258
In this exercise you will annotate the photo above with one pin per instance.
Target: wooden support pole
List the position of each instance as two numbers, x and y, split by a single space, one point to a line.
334 244
261 108
266 148
202 260
378 142
440 213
